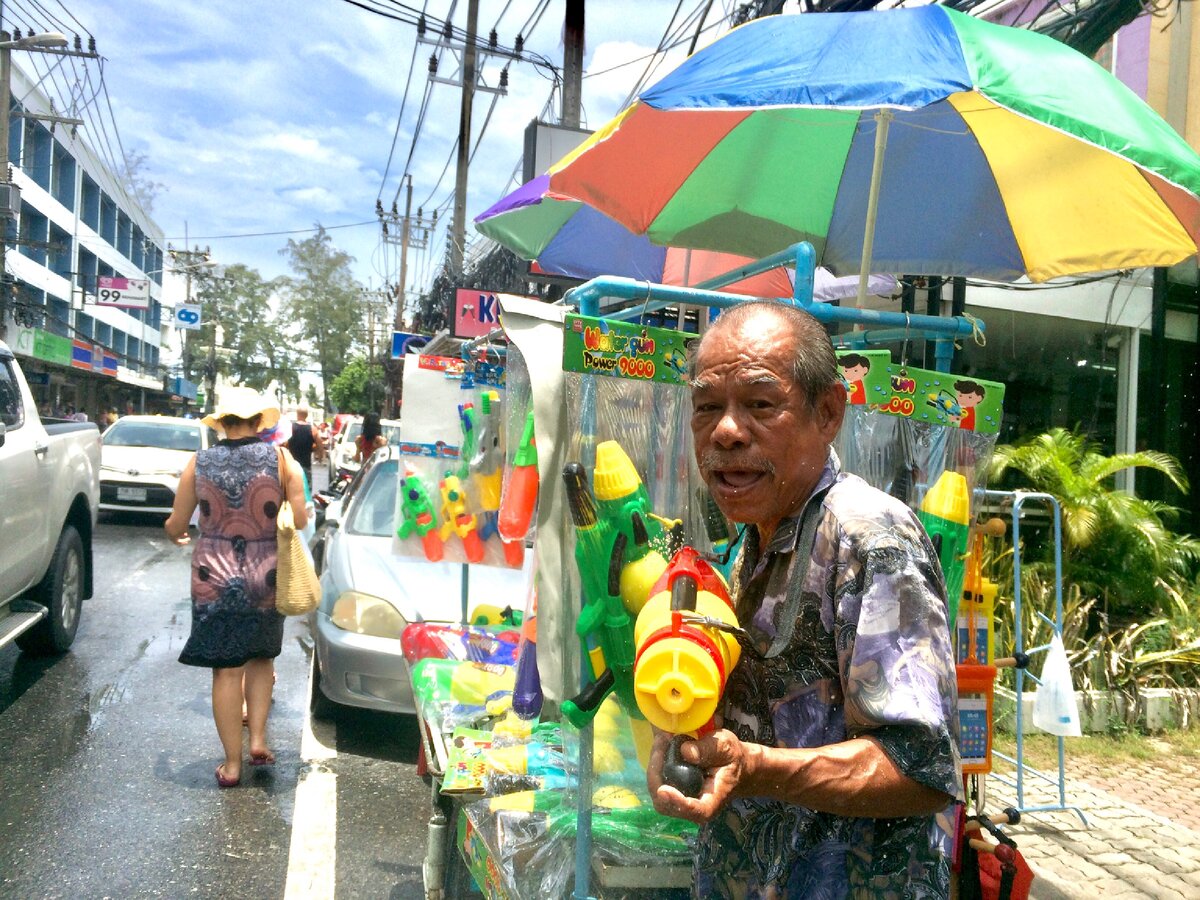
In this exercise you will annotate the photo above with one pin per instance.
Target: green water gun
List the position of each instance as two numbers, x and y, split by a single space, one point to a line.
945 514
418 515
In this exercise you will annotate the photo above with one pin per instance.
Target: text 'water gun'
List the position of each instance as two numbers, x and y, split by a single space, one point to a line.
945 515
520 497
417 515
617 566
458 519
686 648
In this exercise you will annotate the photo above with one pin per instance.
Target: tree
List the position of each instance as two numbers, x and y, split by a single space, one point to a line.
323 299
311 397
350 389
1116 546
254 347
138 184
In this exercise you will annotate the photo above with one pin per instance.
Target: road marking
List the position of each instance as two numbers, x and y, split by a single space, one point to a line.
312 856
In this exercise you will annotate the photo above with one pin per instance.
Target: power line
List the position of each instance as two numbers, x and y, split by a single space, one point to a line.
222 237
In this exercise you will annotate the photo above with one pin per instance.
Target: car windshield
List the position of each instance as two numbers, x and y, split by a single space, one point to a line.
374 506
392 433
164 435
353 430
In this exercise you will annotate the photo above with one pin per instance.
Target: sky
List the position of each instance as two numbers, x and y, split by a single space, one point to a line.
273 116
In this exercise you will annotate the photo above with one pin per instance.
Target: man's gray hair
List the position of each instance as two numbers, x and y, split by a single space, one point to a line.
814 367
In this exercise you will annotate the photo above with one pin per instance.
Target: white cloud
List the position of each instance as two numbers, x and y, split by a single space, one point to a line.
270 117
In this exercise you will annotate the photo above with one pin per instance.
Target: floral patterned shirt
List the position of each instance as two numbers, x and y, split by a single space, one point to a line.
870 654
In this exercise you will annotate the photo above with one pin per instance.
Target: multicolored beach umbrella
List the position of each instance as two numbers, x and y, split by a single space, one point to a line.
1008 154
571 239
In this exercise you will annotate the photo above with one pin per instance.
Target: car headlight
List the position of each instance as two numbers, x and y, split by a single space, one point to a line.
365 614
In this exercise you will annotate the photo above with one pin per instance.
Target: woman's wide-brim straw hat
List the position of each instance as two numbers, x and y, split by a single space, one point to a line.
245 403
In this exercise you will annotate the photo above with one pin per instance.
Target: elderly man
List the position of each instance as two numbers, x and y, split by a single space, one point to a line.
837 739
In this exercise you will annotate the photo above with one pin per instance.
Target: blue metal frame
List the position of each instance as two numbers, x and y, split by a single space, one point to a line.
589 298
1019 498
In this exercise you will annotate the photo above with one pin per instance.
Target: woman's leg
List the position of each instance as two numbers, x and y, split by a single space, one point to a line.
227 713
260 678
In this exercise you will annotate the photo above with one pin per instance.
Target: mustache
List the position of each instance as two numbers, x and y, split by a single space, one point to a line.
712 460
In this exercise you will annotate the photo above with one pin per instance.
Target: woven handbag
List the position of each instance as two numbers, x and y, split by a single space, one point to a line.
297 588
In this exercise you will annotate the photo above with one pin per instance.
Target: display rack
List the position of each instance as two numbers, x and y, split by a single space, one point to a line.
1018 499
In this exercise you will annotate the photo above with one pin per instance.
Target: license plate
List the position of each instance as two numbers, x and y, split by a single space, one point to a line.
132 494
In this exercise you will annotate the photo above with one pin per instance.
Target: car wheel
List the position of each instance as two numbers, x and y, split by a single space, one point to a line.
61 592
320 707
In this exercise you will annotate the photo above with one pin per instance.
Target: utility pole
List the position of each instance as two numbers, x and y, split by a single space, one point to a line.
46 42
572 90
459 225
405 234
188 261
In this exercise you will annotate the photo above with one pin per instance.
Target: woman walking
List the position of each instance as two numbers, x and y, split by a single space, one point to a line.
238 485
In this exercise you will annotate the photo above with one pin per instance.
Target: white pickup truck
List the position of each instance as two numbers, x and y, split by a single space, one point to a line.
49 498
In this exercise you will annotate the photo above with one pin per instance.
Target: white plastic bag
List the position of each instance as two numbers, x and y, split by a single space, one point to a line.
1054 708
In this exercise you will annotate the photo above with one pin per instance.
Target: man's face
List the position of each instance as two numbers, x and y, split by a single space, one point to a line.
759 447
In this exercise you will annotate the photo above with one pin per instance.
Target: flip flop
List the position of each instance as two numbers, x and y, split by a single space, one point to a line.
225 782
262 758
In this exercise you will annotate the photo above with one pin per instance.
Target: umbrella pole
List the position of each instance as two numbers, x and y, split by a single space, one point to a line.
883 118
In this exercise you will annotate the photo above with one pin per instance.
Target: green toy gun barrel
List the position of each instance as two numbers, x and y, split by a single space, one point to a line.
945 514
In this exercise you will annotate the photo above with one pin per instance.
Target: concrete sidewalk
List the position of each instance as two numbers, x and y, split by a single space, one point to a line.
1142 837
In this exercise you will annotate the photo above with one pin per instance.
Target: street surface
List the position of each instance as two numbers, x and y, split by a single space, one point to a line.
107 786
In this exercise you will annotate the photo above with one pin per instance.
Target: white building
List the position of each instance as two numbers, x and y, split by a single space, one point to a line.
75 224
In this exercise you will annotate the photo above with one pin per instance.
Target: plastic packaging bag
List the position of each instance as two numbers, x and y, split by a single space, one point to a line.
1054 708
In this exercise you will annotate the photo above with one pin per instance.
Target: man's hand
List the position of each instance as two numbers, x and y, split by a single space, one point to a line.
725 761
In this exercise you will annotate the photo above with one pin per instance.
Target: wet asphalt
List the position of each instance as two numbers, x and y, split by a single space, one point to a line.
107 756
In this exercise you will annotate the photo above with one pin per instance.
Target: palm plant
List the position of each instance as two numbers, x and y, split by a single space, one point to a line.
1117 547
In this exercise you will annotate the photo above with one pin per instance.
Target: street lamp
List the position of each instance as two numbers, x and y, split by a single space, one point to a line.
43 41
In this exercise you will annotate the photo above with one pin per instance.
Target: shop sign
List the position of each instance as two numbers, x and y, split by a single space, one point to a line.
183 388
404 343
123 293
51 347
625 350
23 341
81 354
476 313
188 315
451 365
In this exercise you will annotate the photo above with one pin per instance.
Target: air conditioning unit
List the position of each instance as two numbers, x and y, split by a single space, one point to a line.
10 200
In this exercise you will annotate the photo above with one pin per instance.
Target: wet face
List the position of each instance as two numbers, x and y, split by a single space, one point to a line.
759 446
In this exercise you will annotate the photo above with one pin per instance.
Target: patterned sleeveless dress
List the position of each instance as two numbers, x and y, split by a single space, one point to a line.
233 565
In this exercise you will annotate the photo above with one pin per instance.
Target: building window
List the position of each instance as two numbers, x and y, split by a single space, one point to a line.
108 219
90 203
60 252
118 342
133 349
34 234
36 160
1057 373
62 182
139 249
59 320
124 235
87 271
104 333
85 324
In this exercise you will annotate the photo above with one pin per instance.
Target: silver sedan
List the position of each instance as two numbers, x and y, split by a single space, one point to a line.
369 594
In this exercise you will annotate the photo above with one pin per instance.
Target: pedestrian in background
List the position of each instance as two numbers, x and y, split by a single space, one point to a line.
238 485
371 438
302 441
